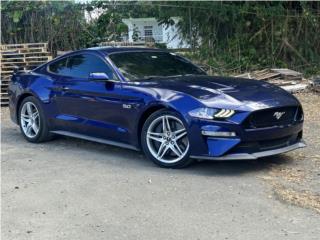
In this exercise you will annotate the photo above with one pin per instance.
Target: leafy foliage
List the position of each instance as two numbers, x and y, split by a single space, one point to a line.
227 36
62 24
241 36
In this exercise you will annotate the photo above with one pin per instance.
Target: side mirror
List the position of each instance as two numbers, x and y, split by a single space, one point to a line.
98 76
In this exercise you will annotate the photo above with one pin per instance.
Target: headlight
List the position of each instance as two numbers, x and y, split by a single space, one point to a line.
224 113
205 113
211 113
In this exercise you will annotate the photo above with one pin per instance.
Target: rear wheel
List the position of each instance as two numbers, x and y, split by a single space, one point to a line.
165 140
32 121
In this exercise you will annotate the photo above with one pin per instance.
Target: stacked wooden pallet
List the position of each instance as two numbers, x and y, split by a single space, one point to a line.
288 79
23 57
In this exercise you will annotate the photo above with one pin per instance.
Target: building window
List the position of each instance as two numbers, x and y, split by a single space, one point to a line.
148 31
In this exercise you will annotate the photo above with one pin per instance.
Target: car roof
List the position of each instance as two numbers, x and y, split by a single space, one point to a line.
103 50
109 50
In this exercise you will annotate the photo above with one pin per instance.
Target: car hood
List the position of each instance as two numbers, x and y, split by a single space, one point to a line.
226 92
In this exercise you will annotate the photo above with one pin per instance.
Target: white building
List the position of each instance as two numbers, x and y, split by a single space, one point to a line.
148 30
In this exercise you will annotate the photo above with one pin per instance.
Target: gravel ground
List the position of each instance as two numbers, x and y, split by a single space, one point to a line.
73 189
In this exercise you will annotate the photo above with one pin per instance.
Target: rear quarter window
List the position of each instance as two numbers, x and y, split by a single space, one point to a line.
59 67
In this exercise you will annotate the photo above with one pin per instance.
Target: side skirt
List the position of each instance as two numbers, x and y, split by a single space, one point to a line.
94 139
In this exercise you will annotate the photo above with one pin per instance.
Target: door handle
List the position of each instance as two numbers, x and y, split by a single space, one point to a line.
62 88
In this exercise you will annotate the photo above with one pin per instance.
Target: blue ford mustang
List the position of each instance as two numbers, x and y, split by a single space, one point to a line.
156 101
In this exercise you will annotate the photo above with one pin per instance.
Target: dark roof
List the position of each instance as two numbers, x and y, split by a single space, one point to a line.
108 50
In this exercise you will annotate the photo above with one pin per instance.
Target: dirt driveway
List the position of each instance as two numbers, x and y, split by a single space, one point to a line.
73 189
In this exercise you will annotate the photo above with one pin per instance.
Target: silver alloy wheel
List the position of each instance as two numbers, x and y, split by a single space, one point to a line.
30 120
167 139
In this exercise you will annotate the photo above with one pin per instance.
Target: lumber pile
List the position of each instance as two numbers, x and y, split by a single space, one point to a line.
315 84
24 57
289 80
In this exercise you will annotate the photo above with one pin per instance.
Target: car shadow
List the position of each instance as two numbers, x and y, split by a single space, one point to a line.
134 159
238 167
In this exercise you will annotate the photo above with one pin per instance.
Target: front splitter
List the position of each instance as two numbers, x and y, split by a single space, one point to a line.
253 156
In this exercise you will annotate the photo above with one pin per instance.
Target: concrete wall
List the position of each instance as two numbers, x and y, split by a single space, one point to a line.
161 33
172 36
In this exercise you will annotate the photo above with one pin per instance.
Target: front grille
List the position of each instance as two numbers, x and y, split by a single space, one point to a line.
265 145
281 116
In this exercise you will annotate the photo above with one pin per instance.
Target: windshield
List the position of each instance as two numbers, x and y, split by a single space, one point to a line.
144 65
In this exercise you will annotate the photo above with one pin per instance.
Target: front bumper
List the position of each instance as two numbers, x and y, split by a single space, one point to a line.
242 142
253 156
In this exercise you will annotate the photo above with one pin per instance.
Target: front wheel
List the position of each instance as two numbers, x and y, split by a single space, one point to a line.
165 141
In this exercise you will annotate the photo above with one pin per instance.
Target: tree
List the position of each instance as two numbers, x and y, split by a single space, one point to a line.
62 24
238 36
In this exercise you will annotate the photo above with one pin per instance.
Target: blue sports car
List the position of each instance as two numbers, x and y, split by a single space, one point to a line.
156 101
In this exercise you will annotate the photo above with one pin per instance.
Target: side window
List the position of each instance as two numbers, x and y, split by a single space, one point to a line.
59 67
80 66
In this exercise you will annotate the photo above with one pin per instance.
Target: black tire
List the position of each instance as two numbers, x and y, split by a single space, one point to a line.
184 161
43 133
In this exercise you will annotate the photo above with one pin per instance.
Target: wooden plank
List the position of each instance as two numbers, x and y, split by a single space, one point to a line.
244 75
8 55
22 58
260 72
286 72
23 45
17 52
12 67
13 64
23 50
295 88
266 76
5 104
10 63
34 50
25 54
6 80
28 61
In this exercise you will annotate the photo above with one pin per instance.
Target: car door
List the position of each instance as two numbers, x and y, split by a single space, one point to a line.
92 108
